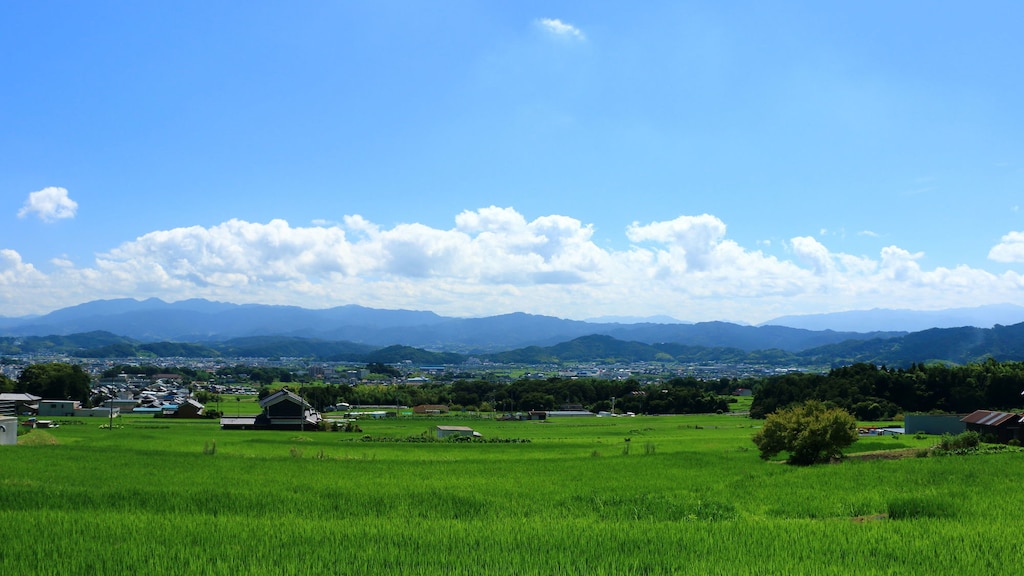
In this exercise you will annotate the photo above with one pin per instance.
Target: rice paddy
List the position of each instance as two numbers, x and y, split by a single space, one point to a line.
645 495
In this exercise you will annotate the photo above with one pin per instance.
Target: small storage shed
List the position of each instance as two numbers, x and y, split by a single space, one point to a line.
446 431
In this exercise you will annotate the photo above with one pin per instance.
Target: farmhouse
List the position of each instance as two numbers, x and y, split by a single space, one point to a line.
187 409
282 410
1004 426
446 431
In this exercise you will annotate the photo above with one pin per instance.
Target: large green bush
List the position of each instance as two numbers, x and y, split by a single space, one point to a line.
810 432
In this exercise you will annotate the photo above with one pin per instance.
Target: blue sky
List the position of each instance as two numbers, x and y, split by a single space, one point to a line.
702 160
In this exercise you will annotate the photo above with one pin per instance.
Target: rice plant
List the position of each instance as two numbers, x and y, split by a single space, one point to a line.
705 503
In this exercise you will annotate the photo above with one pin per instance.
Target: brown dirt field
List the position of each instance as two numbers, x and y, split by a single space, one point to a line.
886 454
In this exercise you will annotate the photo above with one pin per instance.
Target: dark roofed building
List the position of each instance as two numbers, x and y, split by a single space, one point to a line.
188 409
282 410
1004 426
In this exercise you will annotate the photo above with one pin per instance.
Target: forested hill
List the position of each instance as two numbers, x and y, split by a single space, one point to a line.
952 345
956 345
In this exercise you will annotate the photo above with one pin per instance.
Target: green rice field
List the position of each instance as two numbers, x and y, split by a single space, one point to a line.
684 495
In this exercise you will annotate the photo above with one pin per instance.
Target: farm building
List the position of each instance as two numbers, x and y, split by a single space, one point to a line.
12 404
58 407
187 409
282 410
937 424
1004 426
446 431
190 409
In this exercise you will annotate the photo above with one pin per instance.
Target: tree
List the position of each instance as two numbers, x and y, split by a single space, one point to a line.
810 432
55 381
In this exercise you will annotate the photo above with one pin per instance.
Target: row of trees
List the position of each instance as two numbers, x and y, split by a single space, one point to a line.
870 392
677 396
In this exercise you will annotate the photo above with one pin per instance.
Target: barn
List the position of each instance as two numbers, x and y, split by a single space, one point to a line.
1003 426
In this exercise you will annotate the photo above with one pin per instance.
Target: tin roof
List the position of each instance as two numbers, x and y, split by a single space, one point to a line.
18 397
988 418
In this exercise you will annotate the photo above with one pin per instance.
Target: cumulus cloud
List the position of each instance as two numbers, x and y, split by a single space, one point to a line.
23 288
495 260
49 205
558 28
1010 248
813 253
691 240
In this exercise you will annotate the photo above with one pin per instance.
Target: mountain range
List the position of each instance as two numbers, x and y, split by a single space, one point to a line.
202 321
200 328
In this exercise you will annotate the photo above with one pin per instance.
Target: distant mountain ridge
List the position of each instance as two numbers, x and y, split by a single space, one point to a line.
884 320
202 321
949 345
200 328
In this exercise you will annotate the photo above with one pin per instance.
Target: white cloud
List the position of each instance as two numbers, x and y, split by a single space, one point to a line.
694 239
561 29
49 205
494 260
813 253
1009 249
